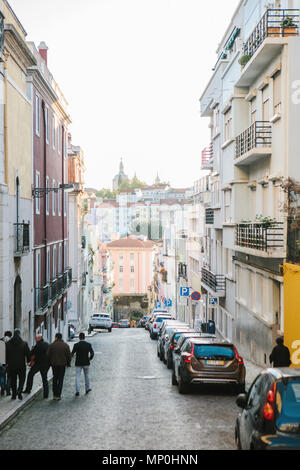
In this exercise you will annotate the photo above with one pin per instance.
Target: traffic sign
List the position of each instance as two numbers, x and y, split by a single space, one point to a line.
213 301
158 304
184 291
196 296
168 302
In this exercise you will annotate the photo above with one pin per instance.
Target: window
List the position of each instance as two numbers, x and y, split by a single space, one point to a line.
48 266
227 206
47 124
53 132
121 284
266 104
37 199
121 269
59 138
53 198
37 115
277 93
132 285
132 269
216 121
65 203
54 264
228 124
253 110
59 200
65 255
47 195
59 259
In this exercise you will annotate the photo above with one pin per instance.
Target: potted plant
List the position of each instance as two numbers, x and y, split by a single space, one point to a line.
244 60
289 27
274 31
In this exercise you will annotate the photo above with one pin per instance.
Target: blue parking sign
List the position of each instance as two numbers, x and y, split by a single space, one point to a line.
168 303
184 291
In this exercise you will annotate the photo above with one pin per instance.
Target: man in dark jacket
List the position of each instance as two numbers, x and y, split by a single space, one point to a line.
84 354
41 364
59 356
280 356
17 353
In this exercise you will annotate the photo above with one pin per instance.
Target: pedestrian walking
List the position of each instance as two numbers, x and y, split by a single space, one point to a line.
17 354
84 354
59 356
280 356
7 381
39 363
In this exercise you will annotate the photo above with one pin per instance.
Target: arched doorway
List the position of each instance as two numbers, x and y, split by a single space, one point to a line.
18 303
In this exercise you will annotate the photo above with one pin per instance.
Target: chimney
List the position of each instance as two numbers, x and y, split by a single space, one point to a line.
43 50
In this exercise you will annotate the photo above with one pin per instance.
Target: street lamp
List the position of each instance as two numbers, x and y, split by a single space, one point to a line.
38 193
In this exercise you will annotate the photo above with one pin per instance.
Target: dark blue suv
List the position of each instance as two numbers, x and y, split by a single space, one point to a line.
270 416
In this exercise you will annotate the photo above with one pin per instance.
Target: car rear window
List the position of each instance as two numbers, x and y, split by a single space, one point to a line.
289 405
160 319
212 351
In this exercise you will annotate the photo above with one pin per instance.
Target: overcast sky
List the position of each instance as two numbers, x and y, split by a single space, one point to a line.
133 72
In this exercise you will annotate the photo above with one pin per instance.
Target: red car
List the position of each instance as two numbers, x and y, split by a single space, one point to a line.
115 325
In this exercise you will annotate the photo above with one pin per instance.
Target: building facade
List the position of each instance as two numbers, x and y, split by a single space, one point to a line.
251 105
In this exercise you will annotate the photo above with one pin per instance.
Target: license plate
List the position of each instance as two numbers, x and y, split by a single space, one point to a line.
214 363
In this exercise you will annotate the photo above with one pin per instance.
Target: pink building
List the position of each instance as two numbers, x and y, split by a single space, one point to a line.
133 262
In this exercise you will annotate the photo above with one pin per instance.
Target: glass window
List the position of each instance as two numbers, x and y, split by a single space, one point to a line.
37 115
207 351
277 93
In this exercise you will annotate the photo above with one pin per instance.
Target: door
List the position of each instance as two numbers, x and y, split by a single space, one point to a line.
18 303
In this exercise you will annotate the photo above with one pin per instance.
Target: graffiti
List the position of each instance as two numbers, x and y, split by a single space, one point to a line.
296 354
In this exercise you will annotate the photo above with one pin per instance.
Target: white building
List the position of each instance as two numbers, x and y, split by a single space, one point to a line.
253 107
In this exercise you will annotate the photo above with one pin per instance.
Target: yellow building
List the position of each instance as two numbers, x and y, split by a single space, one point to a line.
17 285
291 273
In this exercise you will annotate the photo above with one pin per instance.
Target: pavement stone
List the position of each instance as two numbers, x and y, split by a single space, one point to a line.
9 409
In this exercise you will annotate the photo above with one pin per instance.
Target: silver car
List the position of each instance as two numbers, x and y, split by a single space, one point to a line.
101 321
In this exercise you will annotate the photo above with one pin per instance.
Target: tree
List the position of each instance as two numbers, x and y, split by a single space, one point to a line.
106 194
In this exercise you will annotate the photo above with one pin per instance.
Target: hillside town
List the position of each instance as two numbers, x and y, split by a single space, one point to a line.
223 252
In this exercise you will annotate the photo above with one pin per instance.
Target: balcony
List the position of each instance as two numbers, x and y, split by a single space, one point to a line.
213 283
53 289
266 42
41 299
209 216
67 278
22 245
267 238
254 143
207 158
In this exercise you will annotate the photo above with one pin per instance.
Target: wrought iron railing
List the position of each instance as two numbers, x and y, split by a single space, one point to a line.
67 278
209 216
274 23
258 135
60 284
207 155
1 33
42 296
216 282
22 238
263 237
53 289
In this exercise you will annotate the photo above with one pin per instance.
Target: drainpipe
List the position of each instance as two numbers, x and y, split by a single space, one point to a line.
45 179
6 56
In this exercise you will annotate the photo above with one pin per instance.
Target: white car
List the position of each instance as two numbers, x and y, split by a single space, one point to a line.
157 323
101 321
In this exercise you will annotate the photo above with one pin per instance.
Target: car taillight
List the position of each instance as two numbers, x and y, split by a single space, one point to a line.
238 357
188 358
154 326
269 408
172 347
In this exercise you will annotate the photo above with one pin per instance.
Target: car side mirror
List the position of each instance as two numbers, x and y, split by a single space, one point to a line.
241 401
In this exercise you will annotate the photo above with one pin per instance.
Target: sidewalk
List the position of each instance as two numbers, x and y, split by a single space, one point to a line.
9 408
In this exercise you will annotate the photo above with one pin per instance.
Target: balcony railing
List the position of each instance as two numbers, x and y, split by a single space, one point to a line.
258 135
215 282
209 216
53 289
274 23
262 237
207 155
67 278
1 33
42 297
22 244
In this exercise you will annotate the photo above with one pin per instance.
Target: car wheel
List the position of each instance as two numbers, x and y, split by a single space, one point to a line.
174 380
109 330
182 387
240 388
169 364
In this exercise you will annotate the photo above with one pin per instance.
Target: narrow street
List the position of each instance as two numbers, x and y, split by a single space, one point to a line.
132 406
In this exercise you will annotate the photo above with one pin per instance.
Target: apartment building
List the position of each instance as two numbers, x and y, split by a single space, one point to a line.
16 177
52 274
251 103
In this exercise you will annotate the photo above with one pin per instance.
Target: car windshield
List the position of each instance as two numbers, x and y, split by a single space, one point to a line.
288 403
213 351
160 319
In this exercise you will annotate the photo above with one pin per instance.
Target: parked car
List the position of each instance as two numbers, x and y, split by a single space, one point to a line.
101 321
142 322
270 416
124 323
151 317
171 342
156 324
166 328
207 360
115 325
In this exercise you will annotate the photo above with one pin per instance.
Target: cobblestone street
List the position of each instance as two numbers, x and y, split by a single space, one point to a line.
132 406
